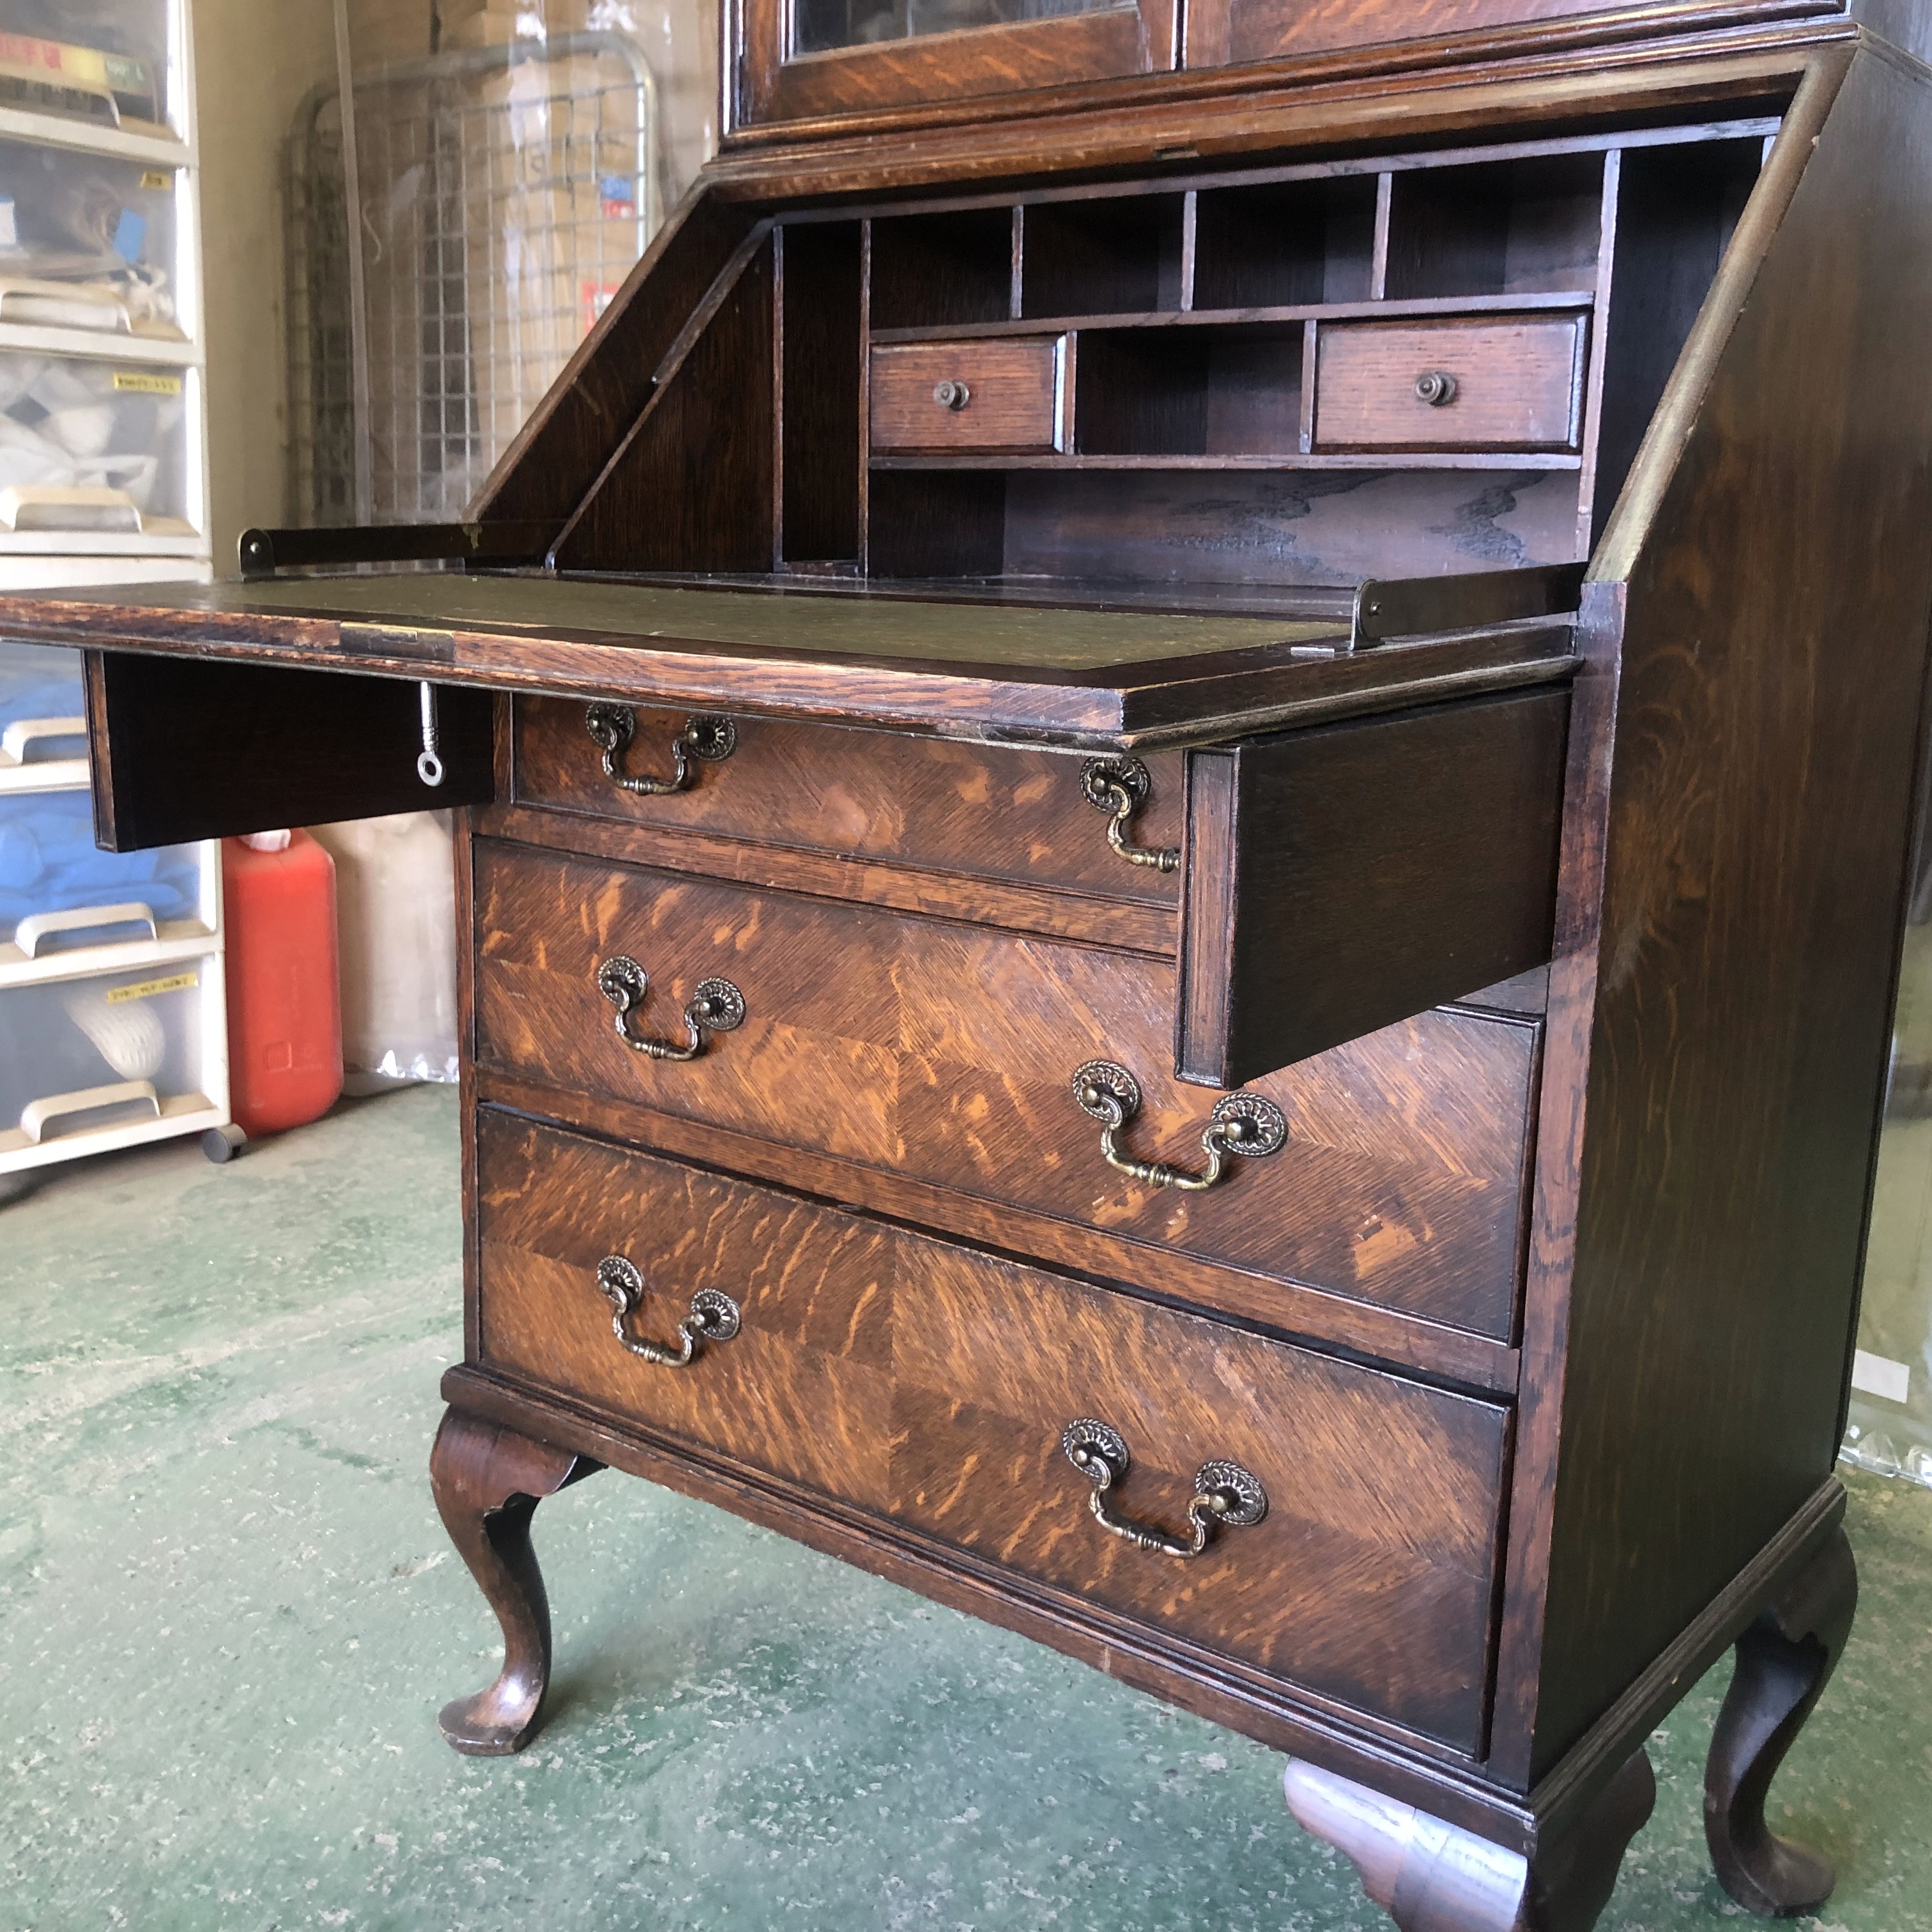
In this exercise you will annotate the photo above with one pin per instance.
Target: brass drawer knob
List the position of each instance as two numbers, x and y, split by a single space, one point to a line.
612 727
1120 787
714 1316
951 395
1240 1123
1436 387
715 1007
1226 1496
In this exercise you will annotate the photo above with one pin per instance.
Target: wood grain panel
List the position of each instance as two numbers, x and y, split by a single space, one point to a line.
946 1053
929 1384
183 750
1340 879
1518 385
988 811
1013 395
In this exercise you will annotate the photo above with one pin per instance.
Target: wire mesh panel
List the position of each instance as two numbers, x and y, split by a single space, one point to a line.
504 194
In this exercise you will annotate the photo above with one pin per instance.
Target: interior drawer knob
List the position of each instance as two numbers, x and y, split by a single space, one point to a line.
1240 1123
715 1007
1120 788
612 727
1436 387
714 1315
1226 1496
951 395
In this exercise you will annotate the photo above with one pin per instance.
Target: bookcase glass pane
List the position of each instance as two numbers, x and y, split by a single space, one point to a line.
821 26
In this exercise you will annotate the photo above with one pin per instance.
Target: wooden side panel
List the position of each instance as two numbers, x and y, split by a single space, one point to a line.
929 1384
589 409
1755 858
819 394
184 749
945 1054
1339 879
691 487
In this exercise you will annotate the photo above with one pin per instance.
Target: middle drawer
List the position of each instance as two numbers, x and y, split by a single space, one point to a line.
947 1053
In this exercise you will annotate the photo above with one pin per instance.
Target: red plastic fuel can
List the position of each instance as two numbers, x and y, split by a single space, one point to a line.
284 992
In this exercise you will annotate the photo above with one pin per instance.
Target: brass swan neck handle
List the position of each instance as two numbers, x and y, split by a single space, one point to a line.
714 1316
715 1006
1226 1496
612 727
1120 787
1243 1124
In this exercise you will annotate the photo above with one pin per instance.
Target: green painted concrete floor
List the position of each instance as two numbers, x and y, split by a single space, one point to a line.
228 1615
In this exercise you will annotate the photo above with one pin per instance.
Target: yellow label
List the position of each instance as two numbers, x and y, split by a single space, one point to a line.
157 177
146 989
146 382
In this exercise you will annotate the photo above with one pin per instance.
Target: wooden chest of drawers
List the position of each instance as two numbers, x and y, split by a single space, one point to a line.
1181 853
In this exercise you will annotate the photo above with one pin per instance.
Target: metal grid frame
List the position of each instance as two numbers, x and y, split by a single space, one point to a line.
494 225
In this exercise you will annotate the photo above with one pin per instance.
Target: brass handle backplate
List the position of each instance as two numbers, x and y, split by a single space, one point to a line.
1120 787
1226 1496
715 1007
1240 1123
714 1315
1436 387
951 394
612 727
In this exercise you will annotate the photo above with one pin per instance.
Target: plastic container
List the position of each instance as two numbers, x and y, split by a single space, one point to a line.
397 918
109 1051
94 447
284 998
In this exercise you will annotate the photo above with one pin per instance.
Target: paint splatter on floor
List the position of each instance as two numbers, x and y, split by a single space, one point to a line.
228 1615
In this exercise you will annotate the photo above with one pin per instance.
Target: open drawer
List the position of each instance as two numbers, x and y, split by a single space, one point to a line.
1363 839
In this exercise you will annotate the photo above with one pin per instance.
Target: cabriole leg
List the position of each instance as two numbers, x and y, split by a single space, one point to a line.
1433 1877
1784 1660
488 1480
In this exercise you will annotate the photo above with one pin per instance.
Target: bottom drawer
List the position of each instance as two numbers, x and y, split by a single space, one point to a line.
929 1385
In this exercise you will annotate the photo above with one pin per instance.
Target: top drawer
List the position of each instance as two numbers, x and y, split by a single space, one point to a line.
961 396
1511 383
987 811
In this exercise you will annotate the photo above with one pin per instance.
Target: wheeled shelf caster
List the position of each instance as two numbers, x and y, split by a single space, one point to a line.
223 1143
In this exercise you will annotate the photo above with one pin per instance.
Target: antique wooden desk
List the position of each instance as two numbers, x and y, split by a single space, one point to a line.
1187 758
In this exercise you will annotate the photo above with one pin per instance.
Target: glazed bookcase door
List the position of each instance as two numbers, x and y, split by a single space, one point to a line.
1221 33
807 60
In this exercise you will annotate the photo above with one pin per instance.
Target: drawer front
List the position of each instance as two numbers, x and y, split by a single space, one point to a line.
979 810
969 395
1504 385
929 1385
946 1052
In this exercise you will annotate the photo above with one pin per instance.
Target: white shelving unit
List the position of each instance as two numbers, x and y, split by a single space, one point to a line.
113 1012
104 445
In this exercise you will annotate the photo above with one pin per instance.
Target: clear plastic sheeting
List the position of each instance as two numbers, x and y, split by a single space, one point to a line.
396 934
510 166
1889 1429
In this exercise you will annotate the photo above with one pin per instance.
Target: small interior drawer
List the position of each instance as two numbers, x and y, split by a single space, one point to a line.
1512 382
929 1385
940 396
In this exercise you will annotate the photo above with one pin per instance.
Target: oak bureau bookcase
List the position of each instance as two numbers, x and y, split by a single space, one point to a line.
1187 754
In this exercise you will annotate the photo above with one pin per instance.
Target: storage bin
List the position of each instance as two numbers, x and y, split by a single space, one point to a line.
88 241
120 1048
103 61
93 447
